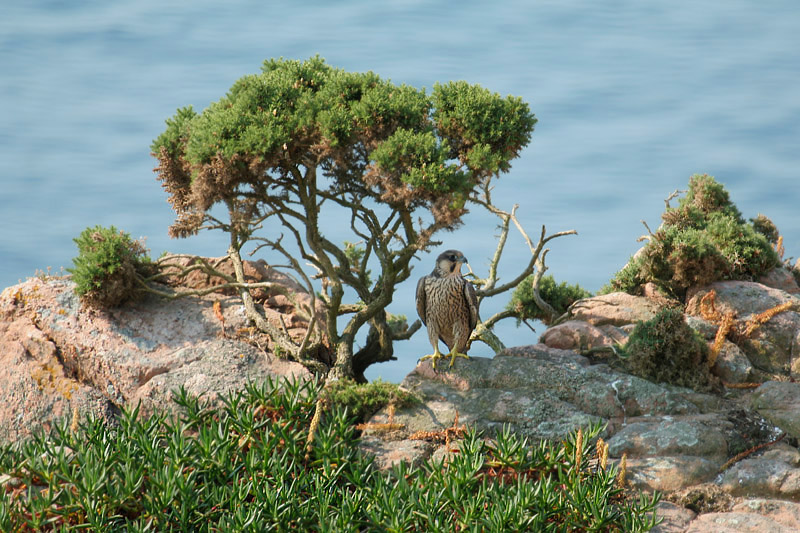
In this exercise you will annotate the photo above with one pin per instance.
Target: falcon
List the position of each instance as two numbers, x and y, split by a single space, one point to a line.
448 306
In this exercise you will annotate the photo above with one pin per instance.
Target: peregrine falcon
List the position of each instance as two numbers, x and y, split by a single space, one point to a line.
448 306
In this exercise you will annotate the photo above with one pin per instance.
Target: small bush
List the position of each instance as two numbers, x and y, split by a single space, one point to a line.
244 468
766 227
559 295
665 349
107 266
702 240
628 279
709 196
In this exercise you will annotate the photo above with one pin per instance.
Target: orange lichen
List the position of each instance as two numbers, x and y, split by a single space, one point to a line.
387 426
218 313
741 385
49 377
750 451
19 297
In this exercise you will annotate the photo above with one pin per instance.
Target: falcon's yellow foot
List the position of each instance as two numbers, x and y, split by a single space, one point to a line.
453 354
435 356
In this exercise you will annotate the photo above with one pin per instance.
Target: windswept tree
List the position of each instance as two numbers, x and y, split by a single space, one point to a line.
301 137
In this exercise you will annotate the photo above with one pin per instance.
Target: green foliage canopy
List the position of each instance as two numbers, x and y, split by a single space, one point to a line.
372 138
704 239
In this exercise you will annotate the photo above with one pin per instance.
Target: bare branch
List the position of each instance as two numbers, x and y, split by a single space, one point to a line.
535 251
409 332
281 338
675 194
541 268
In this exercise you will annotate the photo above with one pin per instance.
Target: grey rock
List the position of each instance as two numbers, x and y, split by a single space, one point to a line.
543 394
779 403
773 473
780 278
616 308
697 435
774 346
784 512
732 365
388 453
674 519
670 473
737 522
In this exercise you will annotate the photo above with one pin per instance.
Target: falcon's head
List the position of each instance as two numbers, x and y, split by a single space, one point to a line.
449 263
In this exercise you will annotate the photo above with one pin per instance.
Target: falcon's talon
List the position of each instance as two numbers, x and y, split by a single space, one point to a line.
455 354
433 357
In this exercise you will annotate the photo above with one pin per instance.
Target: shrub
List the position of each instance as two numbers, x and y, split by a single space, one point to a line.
559 295
244 468
628 279
766 227
665 349
107 266
702 240
708 196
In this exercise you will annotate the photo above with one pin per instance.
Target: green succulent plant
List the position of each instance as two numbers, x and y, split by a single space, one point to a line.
245 467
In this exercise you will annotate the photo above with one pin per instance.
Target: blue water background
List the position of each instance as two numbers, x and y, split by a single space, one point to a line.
632 98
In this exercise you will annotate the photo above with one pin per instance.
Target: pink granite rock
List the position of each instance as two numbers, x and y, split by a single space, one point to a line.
57 356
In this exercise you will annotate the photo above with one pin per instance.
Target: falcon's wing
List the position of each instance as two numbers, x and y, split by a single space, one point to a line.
421 300
472 303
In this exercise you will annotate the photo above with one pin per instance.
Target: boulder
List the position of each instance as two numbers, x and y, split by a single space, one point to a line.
616 309
59 358
674 518
774 346
575 335
695 435
782 512
737 522
779 402
539 391
780 278
773 473
670 473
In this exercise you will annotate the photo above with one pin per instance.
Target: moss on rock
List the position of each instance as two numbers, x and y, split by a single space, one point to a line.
666 350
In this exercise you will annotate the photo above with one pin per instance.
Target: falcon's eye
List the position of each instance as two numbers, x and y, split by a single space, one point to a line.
452 258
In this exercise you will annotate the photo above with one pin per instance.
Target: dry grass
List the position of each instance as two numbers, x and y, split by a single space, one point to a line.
756 321
719 339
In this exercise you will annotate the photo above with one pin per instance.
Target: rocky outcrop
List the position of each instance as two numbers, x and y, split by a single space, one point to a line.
773 347
734 451
59 359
